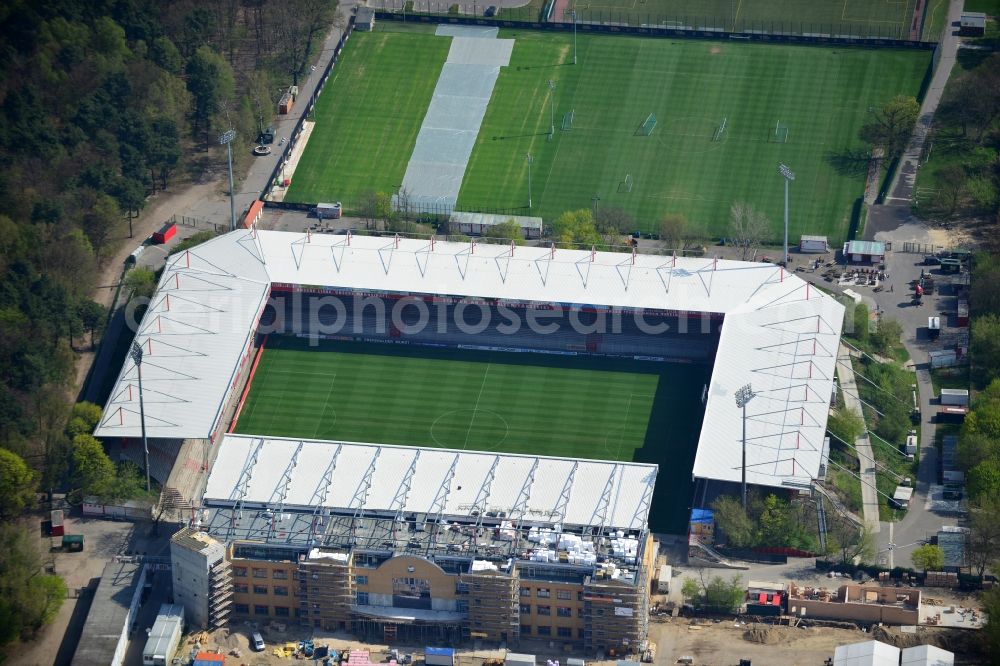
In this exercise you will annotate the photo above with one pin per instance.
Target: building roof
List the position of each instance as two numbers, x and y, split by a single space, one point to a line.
927 655
868 653
299 475
490 219
780 334
865 247
193 540
106 621
365 15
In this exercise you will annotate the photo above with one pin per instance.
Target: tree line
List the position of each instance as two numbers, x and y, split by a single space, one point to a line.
102 105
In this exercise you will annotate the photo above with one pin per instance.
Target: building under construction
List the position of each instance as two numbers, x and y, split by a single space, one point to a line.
399 543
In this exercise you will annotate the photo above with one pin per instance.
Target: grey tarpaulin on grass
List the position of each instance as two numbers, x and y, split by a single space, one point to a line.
450 127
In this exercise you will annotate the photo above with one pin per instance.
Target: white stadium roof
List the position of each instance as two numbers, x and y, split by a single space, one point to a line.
779 334
305 474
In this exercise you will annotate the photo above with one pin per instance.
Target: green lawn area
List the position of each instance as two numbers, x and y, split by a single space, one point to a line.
368 116
822 95
606 409
887 18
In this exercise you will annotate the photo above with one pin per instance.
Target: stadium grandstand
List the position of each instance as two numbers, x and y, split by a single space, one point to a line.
397 529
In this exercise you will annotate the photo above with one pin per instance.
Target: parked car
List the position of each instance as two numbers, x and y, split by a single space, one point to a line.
257 642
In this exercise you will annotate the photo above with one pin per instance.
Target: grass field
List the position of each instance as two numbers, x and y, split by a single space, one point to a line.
822 95
514 403
368 116
888 18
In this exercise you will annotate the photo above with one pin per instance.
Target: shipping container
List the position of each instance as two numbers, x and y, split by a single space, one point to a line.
962 314
943 358
328 210
286 103
813 244
166 232
957 397
663 582
516 659
56 516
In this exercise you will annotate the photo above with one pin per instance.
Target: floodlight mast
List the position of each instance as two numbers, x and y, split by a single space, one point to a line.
136 354
226 139
744 394
789 176
574 36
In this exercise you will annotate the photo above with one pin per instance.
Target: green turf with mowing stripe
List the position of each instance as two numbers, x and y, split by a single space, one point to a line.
576 407
821 94
368 116
884 18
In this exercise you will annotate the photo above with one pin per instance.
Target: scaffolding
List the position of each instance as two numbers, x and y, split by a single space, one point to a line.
326 590
497 616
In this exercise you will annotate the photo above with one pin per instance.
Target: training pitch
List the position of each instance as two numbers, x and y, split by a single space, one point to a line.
726 114
368 116
819 96
886 18
534 404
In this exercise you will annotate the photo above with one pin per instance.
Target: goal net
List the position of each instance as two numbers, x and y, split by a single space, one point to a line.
647 125
780 133
626 185
567 121
717 135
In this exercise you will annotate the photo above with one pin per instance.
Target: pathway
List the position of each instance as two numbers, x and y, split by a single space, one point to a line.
863 445
896 209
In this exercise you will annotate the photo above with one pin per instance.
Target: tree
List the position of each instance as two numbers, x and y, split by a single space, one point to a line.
674 231
850 540
991 632
891 125
93 316
975 447
94 473
612 222
886 336
724 597
575 227
507 231
951 186
845 425
985 347
164 150
165 54
102 223
299 25
17 485
984 295
928 557
131 197
28 599
748 227
690 590
140 282
983 480
984 533
210 80
733 521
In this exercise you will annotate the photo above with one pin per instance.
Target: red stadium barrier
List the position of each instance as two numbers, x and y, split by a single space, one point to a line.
246 389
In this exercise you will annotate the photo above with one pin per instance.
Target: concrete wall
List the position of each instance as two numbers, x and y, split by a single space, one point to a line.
861 603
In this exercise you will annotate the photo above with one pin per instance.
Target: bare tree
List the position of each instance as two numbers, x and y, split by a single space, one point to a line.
299 25
747 227
674 231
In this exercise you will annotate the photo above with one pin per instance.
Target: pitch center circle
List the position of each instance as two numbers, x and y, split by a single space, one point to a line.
475 429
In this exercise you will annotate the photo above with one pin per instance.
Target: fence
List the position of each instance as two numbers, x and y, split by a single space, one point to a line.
199 223
625 21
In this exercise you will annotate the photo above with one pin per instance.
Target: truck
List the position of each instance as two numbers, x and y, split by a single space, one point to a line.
435 656
663 581
933 327
56 516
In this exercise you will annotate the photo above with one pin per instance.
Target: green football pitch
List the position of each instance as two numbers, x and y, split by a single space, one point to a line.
368 116
794 104
533 404
885 18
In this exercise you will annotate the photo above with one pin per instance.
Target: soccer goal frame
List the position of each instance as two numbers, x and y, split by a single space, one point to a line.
780 134
717 135
567 120
625 187
647 126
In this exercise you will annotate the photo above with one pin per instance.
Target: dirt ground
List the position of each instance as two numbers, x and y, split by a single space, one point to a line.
727 642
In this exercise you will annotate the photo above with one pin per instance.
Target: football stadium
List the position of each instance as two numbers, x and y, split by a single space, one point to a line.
404 418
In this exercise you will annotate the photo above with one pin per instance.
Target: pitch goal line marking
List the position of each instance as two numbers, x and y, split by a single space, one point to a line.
621 432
